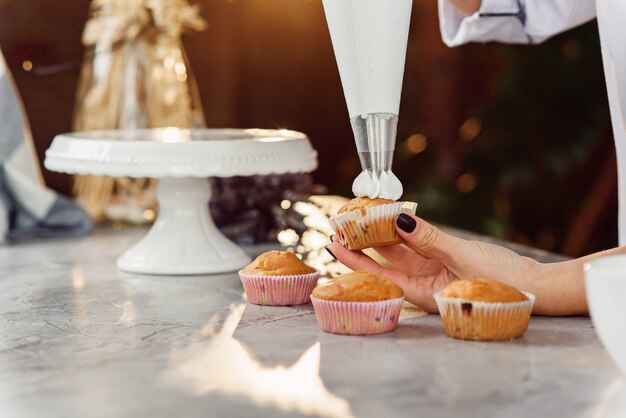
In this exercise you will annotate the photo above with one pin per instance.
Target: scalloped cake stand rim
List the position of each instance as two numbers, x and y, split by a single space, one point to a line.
270 152
184 239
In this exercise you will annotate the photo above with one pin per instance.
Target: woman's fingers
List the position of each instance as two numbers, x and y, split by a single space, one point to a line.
418 288
356 260
426 239
402 258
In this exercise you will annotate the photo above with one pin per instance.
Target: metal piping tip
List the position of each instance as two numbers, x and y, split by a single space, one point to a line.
375 137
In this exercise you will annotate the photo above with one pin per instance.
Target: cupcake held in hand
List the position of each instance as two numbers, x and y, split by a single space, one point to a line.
484 310
358 303
364 222
278 278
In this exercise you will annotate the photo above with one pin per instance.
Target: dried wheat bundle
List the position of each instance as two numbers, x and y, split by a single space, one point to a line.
138 76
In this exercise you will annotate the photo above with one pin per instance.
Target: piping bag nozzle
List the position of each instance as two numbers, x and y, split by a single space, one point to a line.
375 136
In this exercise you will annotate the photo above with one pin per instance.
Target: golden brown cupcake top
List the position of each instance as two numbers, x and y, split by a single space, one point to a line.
277 263
362 203
359 286
483 290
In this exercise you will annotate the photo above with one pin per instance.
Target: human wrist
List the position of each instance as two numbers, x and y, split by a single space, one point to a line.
559 288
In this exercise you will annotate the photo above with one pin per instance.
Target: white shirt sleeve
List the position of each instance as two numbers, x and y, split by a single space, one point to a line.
513 21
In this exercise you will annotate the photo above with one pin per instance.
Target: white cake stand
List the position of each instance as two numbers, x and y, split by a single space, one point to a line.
184 238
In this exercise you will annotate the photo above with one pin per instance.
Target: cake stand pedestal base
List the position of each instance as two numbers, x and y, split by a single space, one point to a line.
184 238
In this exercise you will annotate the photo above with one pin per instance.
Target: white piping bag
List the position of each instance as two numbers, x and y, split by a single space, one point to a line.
369 39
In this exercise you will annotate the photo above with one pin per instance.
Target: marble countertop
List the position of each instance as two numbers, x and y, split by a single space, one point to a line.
80 339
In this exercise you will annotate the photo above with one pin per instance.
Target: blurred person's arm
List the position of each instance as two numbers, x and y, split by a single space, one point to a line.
467 7
510 21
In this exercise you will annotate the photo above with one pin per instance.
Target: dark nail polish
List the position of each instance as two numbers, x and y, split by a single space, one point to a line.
330 252
406 223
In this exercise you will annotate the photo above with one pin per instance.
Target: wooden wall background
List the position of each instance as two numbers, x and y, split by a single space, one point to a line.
261 63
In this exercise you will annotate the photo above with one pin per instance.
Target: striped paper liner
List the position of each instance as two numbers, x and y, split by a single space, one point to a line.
357 318
279 290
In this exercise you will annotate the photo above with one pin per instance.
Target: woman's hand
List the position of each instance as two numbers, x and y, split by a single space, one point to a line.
418 276
430 259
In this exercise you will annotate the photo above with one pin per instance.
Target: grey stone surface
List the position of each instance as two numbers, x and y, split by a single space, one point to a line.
80 339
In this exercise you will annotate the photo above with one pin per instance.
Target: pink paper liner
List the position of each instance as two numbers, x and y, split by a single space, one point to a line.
279 290
357 318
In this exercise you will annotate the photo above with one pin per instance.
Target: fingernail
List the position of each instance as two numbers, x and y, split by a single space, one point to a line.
330 252
406 223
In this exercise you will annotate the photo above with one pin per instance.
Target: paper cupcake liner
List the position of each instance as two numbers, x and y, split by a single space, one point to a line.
357 318
377 227
279 290
484 321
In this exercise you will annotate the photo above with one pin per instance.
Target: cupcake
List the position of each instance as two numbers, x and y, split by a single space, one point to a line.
484 310
364 222
278 278
358 303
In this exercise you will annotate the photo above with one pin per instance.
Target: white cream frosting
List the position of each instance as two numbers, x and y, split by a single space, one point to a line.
386 186
369 39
